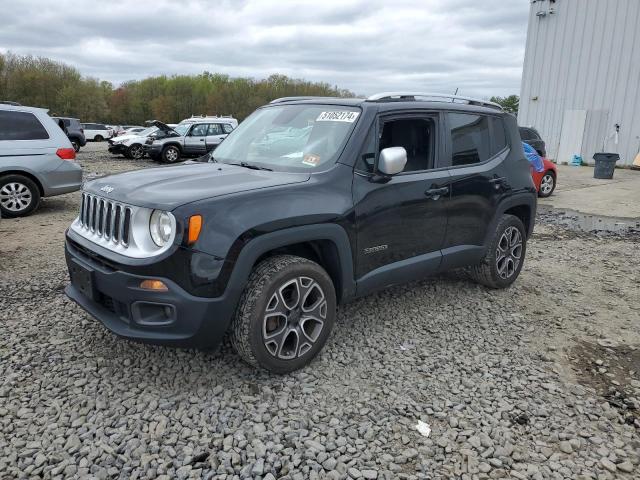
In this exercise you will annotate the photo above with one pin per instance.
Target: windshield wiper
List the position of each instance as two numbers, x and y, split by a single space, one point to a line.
251 166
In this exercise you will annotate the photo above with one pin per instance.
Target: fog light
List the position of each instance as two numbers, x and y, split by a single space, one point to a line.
156 285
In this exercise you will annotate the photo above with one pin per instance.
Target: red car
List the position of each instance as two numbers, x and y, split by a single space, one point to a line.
546 180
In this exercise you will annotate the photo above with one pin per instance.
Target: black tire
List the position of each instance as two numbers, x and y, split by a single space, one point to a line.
547 190
135 151
494 271
274 279
21 185
75 145
171 154
98 138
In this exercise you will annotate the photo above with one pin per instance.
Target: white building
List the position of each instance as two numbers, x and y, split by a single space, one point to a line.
581 77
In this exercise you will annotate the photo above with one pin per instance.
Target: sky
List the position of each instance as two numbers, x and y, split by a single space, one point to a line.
365 46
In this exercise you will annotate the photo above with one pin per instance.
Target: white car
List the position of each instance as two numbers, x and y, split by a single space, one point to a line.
97 131
214 118
130 144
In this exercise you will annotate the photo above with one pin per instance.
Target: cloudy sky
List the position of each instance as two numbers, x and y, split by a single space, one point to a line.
363 45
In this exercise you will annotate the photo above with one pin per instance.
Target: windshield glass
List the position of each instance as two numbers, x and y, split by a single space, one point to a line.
147 131
290 137
182 129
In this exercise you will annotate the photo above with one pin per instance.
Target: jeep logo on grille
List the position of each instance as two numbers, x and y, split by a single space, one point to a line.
107 189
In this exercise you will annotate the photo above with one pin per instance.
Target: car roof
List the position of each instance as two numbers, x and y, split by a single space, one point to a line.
390 105
21 108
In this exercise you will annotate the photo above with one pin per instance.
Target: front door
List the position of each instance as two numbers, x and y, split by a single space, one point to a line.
476 147
400 222
195 140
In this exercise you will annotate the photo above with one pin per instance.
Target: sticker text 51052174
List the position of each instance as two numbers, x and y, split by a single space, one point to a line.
338 116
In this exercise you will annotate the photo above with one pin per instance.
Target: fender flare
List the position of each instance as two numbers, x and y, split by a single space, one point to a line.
523 199
258 246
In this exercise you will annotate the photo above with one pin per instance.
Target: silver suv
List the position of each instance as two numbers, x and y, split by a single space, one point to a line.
189 139
36 160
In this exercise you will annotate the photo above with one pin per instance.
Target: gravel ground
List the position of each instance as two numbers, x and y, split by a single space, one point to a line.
538 381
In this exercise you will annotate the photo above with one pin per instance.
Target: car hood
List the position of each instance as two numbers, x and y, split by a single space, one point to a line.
169 187
123 138
163 127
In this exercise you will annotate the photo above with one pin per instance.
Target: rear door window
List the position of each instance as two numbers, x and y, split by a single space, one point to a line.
470 139
21 126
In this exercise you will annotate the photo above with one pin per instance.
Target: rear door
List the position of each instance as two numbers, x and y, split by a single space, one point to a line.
215 135
195 140
477 147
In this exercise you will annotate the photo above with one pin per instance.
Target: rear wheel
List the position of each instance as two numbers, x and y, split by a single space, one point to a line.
19 196
547 184
171 154
98 138
285 314
505 255
135 151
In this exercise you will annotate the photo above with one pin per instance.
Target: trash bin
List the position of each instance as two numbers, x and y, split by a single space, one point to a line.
605 165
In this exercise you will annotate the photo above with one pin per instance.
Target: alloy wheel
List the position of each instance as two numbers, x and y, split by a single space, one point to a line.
15 197
546 184
509 252
294 318
171 155
136 151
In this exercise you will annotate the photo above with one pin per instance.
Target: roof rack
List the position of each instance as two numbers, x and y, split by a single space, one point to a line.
434 97
291 99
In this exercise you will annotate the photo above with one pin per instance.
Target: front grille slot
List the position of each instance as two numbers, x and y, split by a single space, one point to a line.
105 218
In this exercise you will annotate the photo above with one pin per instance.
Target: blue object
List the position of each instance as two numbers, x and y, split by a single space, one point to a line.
533 157
576 161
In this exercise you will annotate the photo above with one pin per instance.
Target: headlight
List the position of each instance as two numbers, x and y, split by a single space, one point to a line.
161 227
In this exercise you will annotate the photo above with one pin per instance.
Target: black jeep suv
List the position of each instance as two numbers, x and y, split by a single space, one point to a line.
309 203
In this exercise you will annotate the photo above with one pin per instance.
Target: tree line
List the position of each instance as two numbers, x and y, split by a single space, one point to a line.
42 82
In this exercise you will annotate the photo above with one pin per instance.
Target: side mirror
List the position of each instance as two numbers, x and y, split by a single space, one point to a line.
392 160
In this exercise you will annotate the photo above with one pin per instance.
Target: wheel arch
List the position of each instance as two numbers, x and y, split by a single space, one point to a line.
522 205
29 175
328 245
172 144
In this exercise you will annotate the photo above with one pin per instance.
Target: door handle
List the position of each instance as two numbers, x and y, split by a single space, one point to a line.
436 193
202 139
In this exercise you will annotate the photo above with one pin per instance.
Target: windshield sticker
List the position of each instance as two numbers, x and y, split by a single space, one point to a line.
311 160
343 116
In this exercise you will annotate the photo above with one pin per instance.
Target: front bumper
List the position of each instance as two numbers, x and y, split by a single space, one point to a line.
117 149
174 317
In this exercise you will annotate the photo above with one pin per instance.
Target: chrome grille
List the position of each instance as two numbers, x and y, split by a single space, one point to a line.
105 219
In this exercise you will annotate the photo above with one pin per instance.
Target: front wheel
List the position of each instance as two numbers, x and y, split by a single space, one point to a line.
547 184
170 154
505 255
285 314
135 151
76 146
19 196
98 138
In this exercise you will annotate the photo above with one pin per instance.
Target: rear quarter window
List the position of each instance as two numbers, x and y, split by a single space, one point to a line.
21 126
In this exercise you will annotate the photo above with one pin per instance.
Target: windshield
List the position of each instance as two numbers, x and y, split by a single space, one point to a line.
290 137
147 131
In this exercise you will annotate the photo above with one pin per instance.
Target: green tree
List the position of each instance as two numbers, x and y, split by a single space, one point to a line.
42 82
509 104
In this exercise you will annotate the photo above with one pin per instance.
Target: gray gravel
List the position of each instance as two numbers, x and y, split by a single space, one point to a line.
487 370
